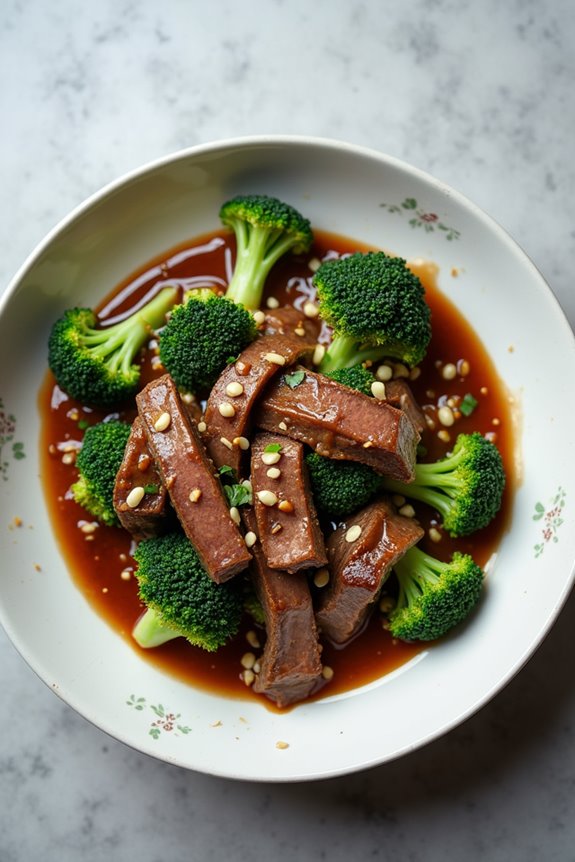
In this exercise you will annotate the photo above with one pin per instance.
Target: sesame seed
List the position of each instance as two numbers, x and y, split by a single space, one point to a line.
321 578
248 660
282 745
407 511
270 458
144 462
449 371
384 373
299 330
274 473
275 358
368 444
259 317
135 497
434 534
386 604
445 416
400 370
272 302
484 390
126 575
195 495
202 427
242 368
327 672
250 539
464 367
276 529
68 458
353 533
318 354
242 442
430 422
378 390
248 677
89 528
257 667
310 309
285 506
253 639
268 498
495 421
314 264
444 435
225 442
234 389
282 426
163 421
235 515
227 410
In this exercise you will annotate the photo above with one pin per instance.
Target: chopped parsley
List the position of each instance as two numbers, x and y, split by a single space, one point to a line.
273 447
238 495
151 489
294 379
468 404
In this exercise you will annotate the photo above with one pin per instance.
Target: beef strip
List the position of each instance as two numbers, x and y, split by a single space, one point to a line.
252 370
358 569
340 422
290 665
138 469
187 472
287 320
289 530
398 393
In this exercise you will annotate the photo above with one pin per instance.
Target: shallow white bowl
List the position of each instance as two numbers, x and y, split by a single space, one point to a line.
377 200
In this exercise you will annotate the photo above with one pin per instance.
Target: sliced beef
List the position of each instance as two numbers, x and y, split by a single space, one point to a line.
289 530
287 320
188 475
290 666
359 568
253 369
340 422
138 470
398 393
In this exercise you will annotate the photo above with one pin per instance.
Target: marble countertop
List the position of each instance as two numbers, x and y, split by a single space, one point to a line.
482 96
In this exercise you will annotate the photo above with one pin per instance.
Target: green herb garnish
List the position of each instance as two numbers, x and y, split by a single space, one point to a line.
273 447
226 470
151 489
294 379
83 424
468 404
238 495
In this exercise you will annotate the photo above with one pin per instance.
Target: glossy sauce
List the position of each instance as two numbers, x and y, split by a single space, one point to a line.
98 558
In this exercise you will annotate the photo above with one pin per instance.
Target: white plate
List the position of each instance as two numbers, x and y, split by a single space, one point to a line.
378 200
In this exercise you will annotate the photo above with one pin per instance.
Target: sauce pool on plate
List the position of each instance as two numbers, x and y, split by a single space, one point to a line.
99 558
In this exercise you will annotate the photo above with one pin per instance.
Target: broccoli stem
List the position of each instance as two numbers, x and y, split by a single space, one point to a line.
258 249
122 341
413 570
150 632
346 351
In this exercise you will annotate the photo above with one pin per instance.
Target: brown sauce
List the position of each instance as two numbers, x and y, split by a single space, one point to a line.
100 562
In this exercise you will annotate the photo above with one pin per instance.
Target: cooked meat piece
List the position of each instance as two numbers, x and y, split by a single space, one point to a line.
360 567
138 470
289 529
188 474
290 666
340 422
398 393
287 320
248 376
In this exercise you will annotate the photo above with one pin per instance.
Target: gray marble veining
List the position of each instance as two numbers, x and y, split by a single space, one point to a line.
480 94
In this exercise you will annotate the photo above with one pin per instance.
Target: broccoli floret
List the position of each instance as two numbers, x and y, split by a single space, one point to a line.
356 376
466 487
181 598
201 335
340 487
265 229
376 307
433 596
95 364
98 462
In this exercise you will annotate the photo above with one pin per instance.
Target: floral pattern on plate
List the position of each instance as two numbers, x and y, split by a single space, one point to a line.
420 218
551 519
165 721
